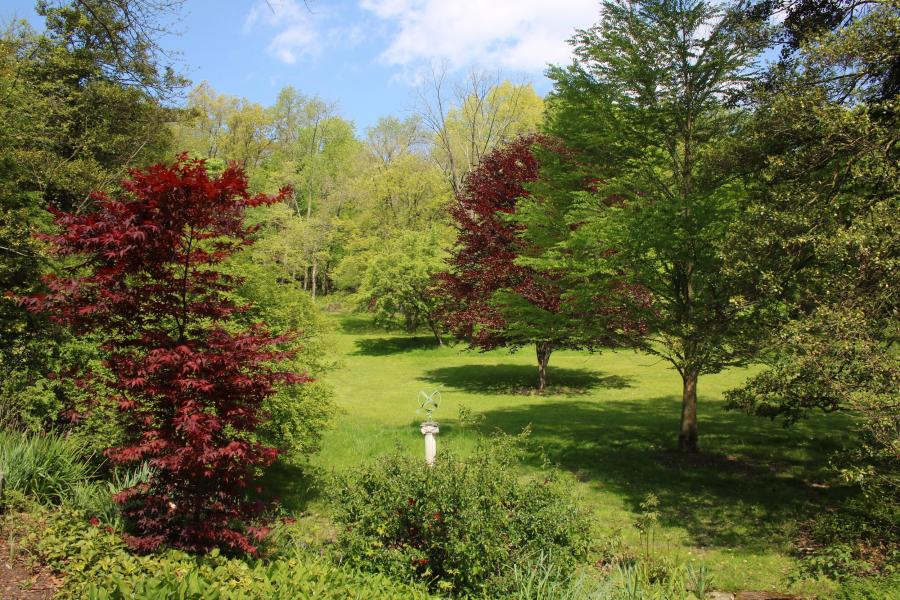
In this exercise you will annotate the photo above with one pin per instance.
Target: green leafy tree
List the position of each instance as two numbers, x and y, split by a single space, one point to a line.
318 154
467 119
226 128
203 132
645 106
397 283
391 138
121 39
398 189
82 101
405 189
819 234
270 272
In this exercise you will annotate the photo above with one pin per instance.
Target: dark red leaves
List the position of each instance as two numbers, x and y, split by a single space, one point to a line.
189 385
488 244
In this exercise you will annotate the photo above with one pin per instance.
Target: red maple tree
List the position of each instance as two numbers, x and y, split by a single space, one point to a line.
188 380
489 298
487 246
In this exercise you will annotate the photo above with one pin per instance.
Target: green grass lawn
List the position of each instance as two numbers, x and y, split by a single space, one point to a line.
611 420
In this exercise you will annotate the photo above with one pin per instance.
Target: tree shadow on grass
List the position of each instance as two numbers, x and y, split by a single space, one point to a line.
752 484
394 345
291 486
521 379
358 324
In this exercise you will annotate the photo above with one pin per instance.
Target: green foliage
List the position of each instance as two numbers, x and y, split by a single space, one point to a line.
460 526
861 539
269 272
47 391
95 497
298 142
406 193
481 114
876 588
47 466
541 581
96 565
82 101
391 138
404 190
398 278
222 128
316 153
645 108
54 469
297 420
835 359
818 234
81 115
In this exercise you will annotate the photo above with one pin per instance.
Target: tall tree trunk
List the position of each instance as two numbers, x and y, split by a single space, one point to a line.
543 349
687 438
436 331
315 268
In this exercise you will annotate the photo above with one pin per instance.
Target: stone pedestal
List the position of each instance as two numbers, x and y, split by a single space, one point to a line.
429 430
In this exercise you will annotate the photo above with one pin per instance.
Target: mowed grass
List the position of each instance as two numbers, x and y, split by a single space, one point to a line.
611 420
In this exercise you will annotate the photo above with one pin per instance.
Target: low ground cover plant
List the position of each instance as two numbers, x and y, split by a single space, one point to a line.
96 565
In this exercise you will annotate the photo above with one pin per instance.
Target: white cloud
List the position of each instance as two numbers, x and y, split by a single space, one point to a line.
296 35
296 39
523 35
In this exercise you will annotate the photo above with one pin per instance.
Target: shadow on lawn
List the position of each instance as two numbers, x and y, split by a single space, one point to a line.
394 345
521 379
290 486
358 324
751 485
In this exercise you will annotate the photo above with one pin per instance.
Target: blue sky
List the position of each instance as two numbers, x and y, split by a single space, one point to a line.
363 55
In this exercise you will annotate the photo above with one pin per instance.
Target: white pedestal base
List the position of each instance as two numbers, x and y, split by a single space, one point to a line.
429 430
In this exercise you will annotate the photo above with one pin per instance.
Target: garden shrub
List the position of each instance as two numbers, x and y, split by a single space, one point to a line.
462 526
297 416
60 397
